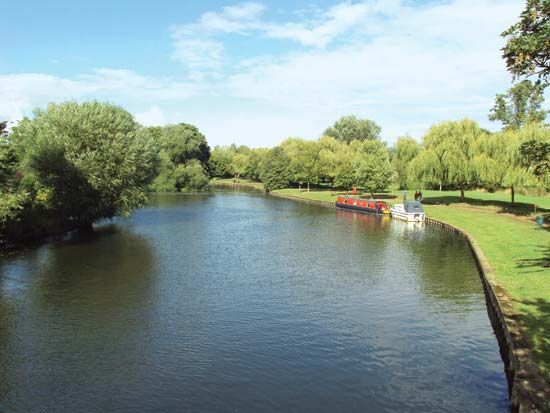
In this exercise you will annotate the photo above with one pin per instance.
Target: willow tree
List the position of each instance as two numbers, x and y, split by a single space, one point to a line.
497 162
447 155
404 151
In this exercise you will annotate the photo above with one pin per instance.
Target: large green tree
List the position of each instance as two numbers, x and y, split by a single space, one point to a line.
404 151
527 50
522 104
84 162
349 128
275 169
447 155
180 145
373 170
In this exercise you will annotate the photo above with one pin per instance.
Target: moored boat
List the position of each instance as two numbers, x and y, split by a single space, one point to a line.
362 205
410 211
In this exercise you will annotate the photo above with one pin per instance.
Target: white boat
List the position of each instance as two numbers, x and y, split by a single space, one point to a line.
411 211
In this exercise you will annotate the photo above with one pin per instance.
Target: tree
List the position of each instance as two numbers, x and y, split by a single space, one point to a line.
522 104
84 162
184 142
404 151
275 169
304 160
447 155
180 145
254 165
220 162
373 170
527 50
349 128
534 153
496 162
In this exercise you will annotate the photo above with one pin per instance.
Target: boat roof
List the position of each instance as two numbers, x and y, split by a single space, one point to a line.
413 206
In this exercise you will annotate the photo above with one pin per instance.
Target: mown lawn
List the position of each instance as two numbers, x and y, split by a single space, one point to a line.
516 248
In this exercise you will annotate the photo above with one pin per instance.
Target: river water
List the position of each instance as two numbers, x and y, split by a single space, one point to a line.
238 302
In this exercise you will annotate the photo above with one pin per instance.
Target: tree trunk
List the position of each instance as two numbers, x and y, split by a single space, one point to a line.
440 186
462 192
513 194
372 194
308 186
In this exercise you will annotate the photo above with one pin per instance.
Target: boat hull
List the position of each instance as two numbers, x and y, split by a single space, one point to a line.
408 216
357 208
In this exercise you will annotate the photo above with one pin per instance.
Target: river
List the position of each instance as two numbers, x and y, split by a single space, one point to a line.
239 302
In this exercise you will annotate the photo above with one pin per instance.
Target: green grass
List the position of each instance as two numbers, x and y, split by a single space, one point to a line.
516 249
231 181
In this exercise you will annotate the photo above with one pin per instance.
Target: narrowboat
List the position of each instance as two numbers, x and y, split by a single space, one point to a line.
411 211
362 205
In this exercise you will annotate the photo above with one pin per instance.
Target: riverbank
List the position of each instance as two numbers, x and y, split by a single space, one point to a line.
516 250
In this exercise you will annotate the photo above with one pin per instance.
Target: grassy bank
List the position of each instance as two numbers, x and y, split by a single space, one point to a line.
245 183
516 248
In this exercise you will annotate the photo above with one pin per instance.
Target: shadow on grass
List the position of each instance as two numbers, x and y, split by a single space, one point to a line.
518 208
538 264
535 318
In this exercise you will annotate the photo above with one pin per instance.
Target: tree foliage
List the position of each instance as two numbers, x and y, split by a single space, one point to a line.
275 169
85 161
349 128
447 155
522 104
184 152
373 170
404 151
527 50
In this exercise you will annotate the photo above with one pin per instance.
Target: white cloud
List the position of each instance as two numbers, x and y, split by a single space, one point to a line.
404 66
151 117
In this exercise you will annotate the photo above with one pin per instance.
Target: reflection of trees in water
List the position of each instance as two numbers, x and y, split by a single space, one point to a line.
84 319
5 329
102 270
167 200
447 269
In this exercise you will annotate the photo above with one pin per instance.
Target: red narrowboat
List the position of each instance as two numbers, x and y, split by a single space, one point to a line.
372 206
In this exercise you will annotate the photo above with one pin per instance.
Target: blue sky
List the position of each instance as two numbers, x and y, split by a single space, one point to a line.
257 72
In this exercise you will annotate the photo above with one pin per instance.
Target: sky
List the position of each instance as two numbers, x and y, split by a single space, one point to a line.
255 73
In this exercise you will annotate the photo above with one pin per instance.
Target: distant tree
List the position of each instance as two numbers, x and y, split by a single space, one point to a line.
527 50
304 160
184 142
180 145
349 128
239 163
254 165
536 156
275 169
220 162
191 176
404 151
497 163
84 162
522 104
373 170
447 155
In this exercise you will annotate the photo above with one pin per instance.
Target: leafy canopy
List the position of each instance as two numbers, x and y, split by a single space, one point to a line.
522 104
349 128
85 161
527 51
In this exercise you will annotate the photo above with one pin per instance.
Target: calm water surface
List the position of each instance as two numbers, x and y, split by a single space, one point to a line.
245 303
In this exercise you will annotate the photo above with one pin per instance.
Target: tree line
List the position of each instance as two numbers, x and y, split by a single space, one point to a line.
453 154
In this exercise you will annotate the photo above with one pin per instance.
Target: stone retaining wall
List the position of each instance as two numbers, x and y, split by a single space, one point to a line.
528 390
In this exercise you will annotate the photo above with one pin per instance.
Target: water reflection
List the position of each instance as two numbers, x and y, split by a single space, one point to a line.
242 302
